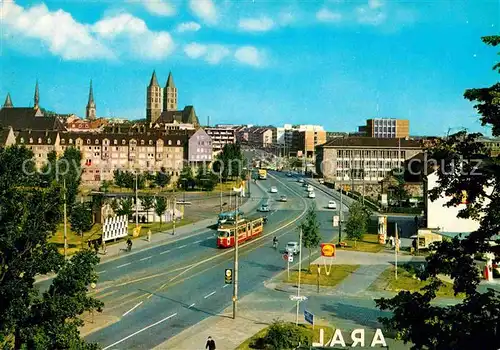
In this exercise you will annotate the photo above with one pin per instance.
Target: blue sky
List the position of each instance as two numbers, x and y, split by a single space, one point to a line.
334 63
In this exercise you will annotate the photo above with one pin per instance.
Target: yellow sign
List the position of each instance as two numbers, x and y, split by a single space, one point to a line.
327 250
136 231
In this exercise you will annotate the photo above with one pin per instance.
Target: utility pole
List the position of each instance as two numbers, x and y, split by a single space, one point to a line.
220 185
341 207
300 271
396 246
65 221
136 203
236 236
173 222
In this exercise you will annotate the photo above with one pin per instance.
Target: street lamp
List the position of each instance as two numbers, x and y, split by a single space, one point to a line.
136 203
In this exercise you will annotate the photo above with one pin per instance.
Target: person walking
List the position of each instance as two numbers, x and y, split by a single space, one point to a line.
129 244
149 236
210 344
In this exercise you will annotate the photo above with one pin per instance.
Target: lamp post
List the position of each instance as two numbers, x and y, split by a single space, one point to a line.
65 221
136 203
300 271
220 185
235 285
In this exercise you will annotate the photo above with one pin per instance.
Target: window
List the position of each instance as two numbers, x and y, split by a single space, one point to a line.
115 142
123 142
142 142
39 140
178 142
169 142
150 142
62 141
70 141
96 141
88 141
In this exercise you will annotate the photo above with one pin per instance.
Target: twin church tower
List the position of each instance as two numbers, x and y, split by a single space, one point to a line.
160 99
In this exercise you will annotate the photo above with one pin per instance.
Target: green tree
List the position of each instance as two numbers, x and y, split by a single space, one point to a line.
465 165
186 178
81 219
29 214
148 202
205 178
105 185
160 207
70 168
357 222
281 335
399 191
126 207
310 231
162 178
232 161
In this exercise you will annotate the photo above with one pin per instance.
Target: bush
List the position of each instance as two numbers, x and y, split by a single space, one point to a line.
283 335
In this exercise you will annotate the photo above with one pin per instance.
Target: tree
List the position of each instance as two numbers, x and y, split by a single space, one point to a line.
399 192
126 206
81 219
162 178
186 179
205 178
29 214
310 231
465 165
232 161
148 203
357 222
160 207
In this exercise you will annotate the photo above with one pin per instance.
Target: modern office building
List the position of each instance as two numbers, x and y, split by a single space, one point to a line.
387 128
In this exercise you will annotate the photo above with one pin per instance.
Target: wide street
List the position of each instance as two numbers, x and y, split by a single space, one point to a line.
154 294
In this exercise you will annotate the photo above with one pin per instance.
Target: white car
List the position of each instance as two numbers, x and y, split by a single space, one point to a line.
332 205
301 181
289 174
292 248
311 195
274 189
264 208
321 181
310 188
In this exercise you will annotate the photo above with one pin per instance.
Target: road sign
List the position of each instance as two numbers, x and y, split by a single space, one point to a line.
299 298
335 221
228 276
328 250
309 317
290 257
285 257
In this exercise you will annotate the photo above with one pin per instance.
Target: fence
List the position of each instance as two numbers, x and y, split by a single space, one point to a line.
115 227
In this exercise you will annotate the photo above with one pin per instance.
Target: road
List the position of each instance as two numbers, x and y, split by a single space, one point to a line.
156 294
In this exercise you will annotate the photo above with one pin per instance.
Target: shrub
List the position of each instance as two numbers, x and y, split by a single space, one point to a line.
283 335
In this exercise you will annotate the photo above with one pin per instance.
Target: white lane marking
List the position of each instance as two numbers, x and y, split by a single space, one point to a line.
146 258
139 331
209 295
123 265
198 241
190 306
165 252
182 246
132 309
101 271
226 285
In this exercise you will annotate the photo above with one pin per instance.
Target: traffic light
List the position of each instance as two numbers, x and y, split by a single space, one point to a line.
228 276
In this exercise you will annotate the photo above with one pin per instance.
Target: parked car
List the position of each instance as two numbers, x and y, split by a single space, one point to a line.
274 189
321 181
332 205
305 184
292 248
311 195
310 188
283 199
301 181
264 208
289 174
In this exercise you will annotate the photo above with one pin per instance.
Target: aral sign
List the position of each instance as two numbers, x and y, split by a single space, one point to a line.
357 337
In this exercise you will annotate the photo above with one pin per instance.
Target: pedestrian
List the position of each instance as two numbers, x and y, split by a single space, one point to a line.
149 236
96 247
104 250
210 344
129 244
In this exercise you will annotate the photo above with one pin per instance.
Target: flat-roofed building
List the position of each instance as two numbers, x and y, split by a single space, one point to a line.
387 128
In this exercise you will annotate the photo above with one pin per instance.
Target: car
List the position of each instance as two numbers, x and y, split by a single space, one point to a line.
264 208
292 248
310 188
274 189
305 184
332 205
283 199
301 181
311 195
289 174
321 181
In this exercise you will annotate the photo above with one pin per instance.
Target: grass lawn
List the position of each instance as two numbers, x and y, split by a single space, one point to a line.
387 282
369 244
337 274
247 344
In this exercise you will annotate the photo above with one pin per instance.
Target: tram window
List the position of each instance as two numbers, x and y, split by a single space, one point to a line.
223 234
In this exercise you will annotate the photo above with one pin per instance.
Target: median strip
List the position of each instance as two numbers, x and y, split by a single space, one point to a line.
146 258
209 295
123 265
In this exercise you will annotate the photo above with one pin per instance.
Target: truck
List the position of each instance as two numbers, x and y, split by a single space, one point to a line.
425 237
262 174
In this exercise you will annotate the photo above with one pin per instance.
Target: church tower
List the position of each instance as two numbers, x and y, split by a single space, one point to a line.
90 110
170 95
8 102
37 97
153 100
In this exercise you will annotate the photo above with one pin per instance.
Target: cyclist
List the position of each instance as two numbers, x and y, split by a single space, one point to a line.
275 242
129 244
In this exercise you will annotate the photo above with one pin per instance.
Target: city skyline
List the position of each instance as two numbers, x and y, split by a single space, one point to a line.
334 63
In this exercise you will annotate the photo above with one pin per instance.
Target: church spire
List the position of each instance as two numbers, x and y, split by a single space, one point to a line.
37 96
8 102
91 107
170 81
154 81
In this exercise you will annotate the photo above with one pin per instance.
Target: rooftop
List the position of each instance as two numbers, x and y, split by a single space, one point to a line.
372 142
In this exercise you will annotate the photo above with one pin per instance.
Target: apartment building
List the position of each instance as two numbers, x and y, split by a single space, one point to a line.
493 144
220 137
387 128
300 140
200 147
356 161
260 137
7 137
41 143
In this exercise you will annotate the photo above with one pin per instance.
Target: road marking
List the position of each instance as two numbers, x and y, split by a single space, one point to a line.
140 331
226 285
98 272
182 246
146 258
198 241
190 306
165 252
132 309
209 295
123 265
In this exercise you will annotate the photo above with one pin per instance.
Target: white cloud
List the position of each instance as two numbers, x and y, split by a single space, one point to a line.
108 38
159 7
58 31
249 55
368 15
204 9
188 27
212 53
262 24
325 15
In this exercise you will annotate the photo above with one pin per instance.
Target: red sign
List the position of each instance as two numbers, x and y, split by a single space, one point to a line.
285 257
328 250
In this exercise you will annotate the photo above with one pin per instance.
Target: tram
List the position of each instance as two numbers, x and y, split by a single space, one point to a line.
247 229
